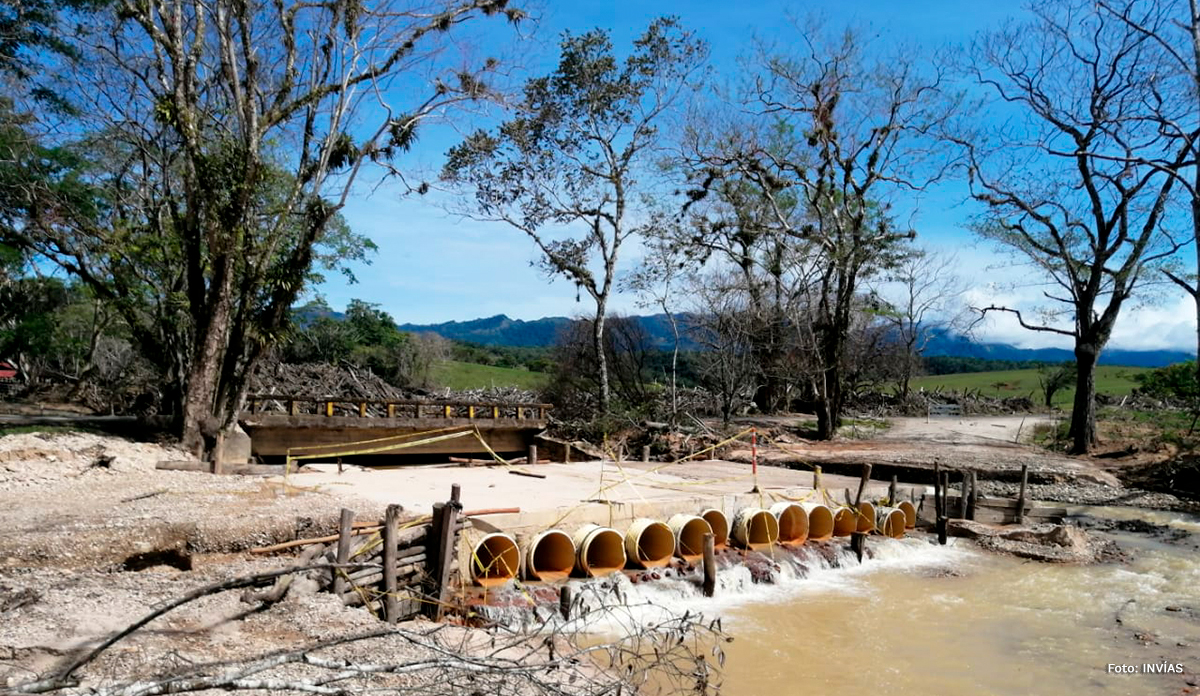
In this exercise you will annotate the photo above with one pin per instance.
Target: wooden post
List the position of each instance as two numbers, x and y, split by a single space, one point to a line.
531 457
974 497
345 530
291 407
816 478
1021 495
391 410
391 604
645 454
710 565
567 456
445 517
858 540
564 602
362 409
892 491
962 497
943 516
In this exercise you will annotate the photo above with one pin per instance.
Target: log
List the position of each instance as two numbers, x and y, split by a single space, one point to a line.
530 474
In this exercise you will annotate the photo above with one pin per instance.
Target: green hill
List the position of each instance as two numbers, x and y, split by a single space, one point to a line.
1110 379
462 375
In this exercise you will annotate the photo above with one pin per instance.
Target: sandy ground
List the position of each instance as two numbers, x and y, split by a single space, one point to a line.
418 488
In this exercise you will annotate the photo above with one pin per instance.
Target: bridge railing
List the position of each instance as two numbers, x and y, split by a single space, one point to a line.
267 404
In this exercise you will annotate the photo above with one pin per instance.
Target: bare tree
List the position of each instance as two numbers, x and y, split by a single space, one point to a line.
658 282
1174 27
1078 81
843 130
721 323
573 169
925 299
225 138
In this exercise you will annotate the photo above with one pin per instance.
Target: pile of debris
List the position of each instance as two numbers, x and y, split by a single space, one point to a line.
918 403
320 380
324 379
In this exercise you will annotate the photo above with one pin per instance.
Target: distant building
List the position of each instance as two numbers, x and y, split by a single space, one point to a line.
8 377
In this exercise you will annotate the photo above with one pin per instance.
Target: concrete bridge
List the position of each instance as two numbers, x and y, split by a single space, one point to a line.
330 428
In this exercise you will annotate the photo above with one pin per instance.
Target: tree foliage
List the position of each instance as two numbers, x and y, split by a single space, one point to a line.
222 140
574 168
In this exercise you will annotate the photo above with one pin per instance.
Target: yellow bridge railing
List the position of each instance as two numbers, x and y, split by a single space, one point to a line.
275 404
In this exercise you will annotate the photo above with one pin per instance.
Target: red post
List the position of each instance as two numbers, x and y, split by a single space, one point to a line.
754 458
754 451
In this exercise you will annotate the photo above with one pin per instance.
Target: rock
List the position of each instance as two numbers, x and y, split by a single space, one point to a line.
1042 542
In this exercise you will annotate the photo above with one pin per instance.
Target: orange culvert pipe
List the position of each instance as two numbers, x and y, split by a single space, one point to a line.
720 526
549 556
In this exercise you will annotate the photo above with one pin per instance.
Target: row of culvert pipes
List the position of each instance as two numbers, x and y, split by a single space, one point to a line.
595 551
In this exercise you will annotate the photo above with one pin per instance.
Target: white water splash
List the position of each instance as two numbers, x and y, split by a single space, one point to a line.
615 605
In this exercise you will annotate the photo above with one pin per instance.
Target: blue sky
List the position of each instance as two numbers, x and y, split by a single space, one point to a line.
433 266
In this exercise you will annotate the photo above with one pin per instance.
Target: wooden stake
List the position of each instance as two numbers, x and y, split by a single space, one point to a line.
532 458
1021 495
816 478
943 516
892 491
391 612
645 454
962 497
858 540
345 535
444 518
710 565
564 602
974 497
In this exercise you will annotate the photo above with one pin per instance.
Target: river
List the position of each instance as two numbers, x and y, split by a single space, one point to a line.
923 619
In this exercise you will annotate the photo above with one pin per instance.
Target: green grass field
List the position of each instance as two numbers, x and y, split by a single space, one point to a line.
461 375
1110 379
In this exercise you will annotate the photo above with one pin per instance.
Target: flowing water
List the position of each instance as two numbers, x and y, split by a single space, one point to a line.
924 619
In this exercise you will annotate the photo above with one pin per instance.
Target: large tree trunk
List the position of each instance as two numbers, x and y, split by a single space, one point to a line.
829 400
207 365
1083 414
601 355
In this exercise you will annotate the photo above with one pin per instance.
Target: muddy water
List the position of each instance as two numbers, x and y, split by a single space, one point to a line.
929 620
990 625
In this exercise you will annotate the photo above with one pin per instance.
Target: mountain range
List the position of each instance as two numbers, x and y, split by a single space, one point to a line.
500 330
